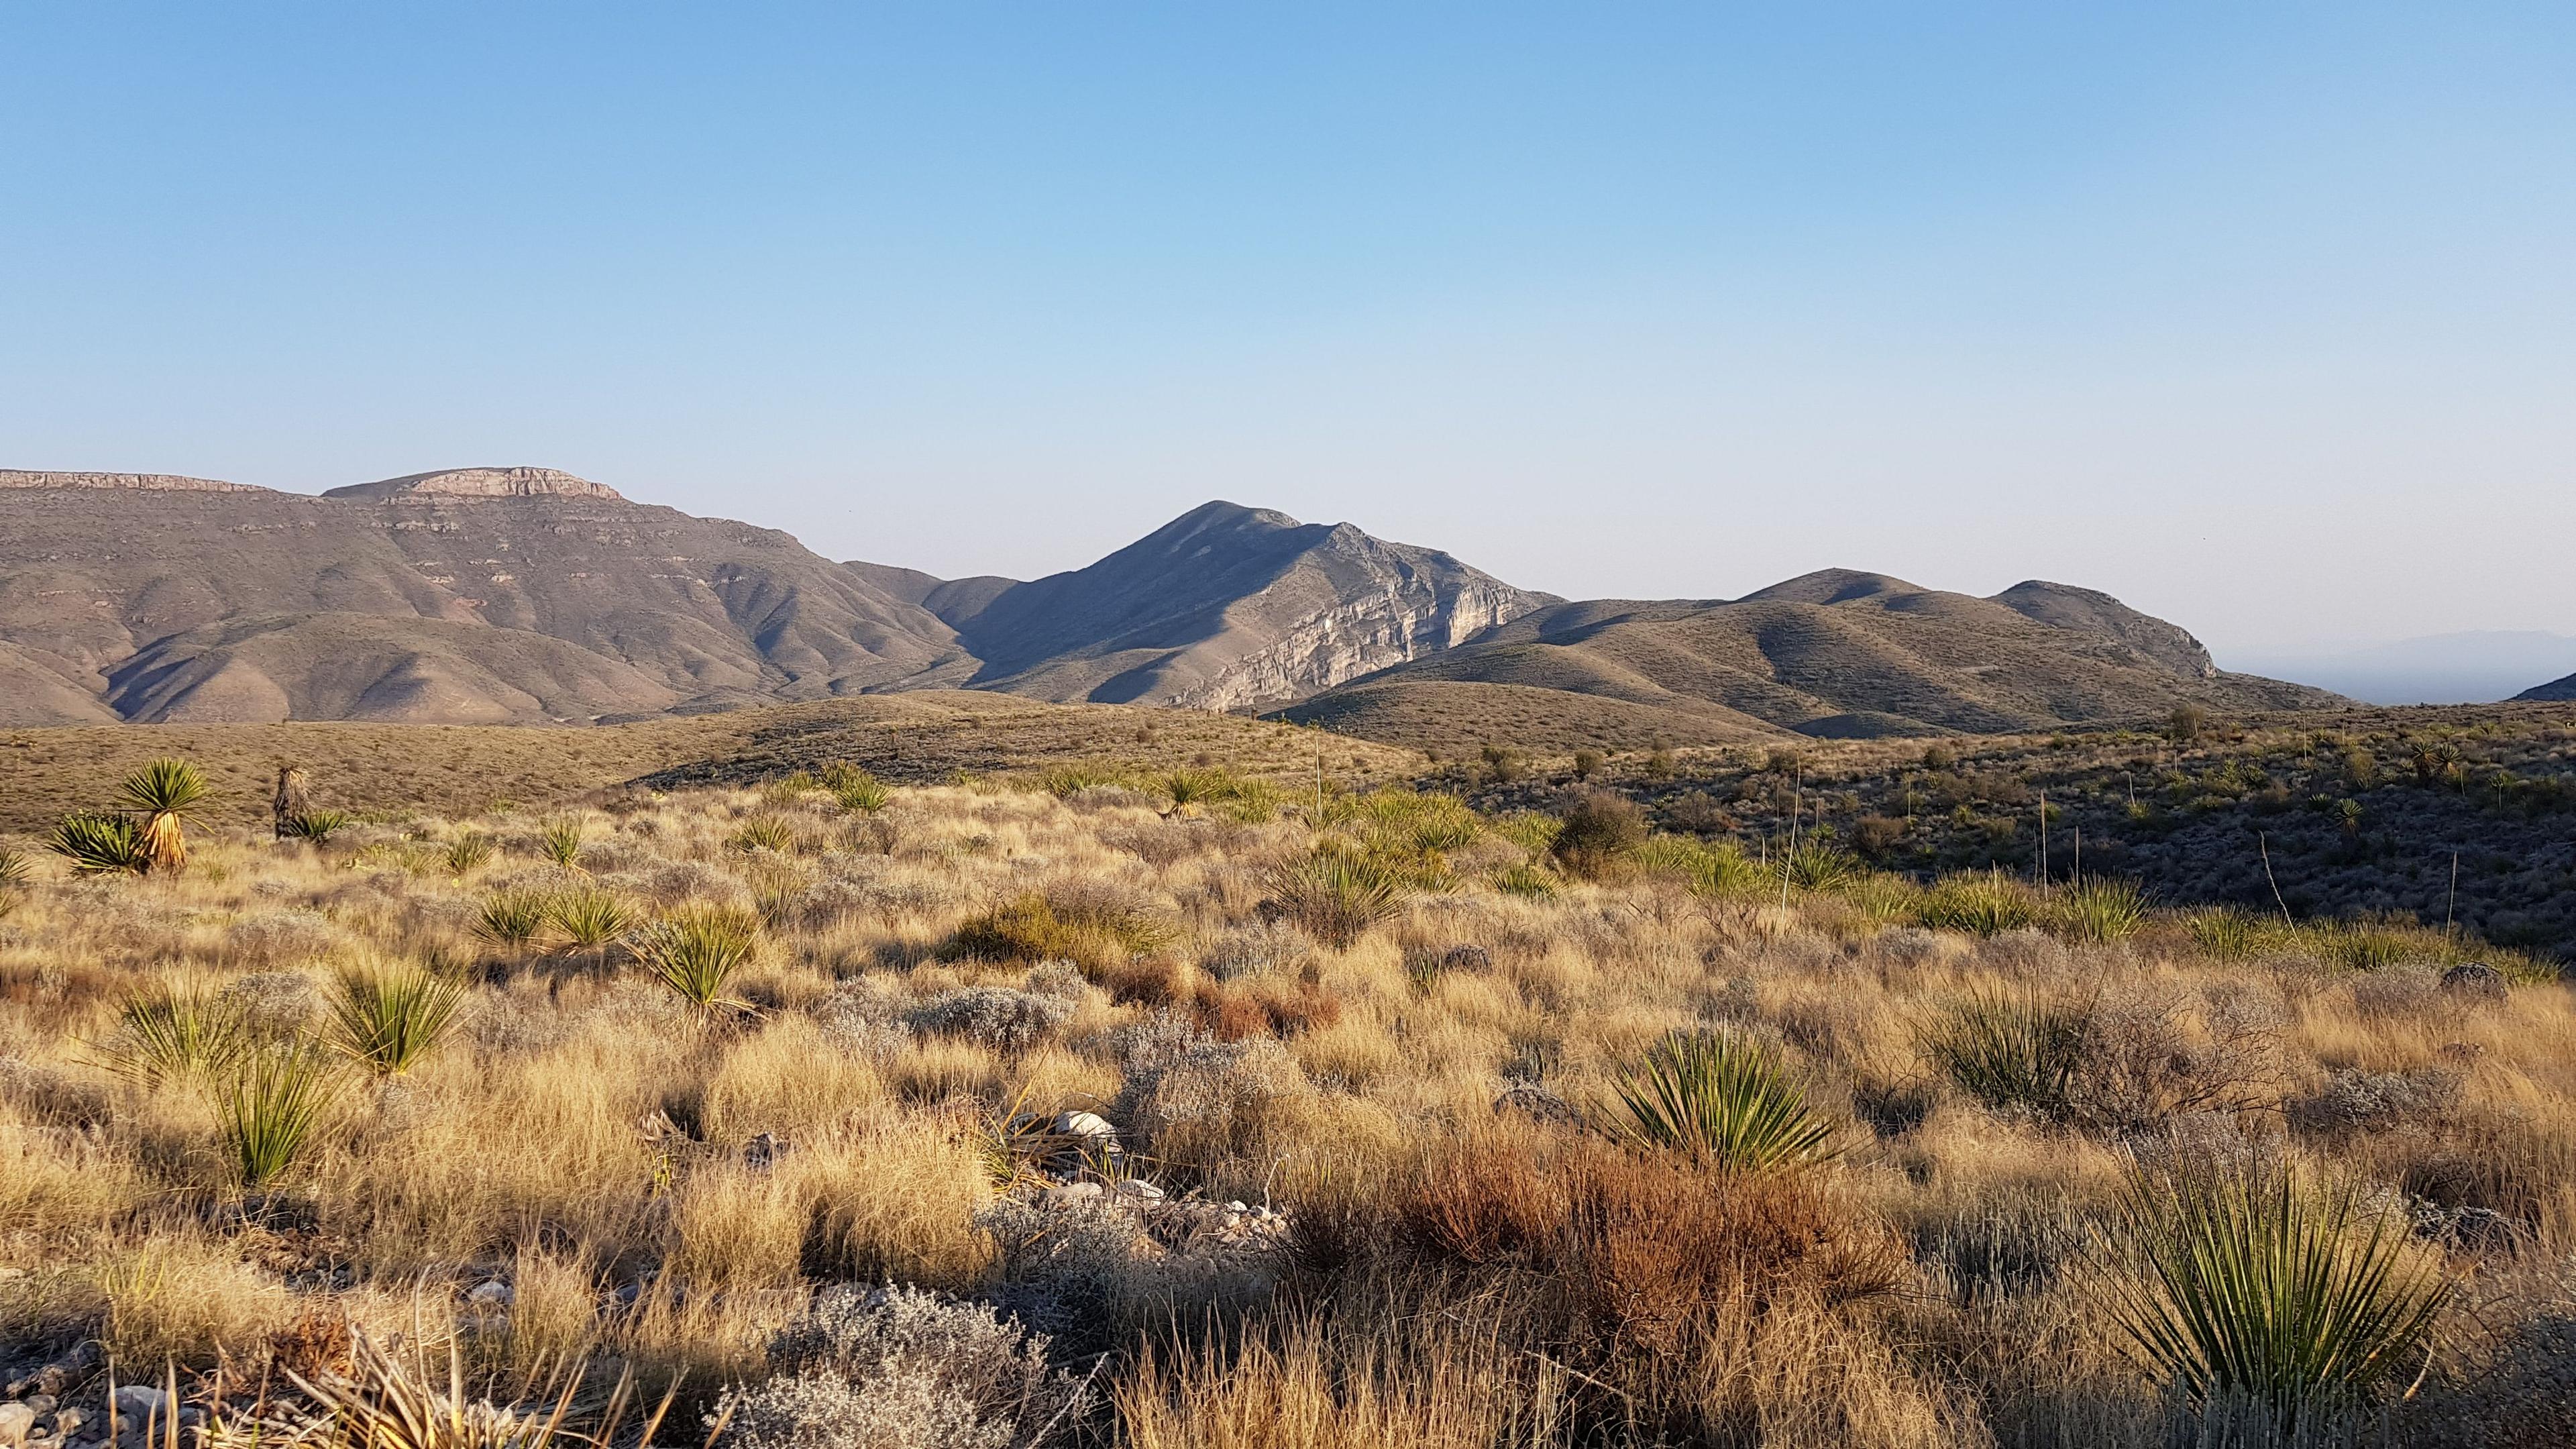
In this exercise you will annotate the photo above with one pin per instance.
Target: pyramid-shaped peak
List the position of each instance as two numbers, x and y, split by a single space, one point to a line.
480 483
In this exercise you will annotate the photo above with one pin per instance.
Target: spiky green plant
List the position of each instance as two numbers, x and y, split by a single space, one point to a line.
2275 1301
270 1105
15 869
1721 1099
100 844
165 791
468 850
2100 911
861 793
1819 866
2226 932
389 1018
2011 1049
696 950
1190 789
513 917
317 826
561 842
1335 896
766 832
175 1032
1981 905
589 917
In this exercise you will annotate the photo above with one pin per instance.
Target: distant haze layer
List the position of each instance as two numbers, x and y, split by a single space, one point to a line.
2477 667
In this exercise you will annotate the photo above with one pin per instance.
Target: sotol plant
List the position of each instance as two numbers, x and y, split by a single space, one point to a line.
695 952
1335 896
1721 1099
390 1018
512 917
100 844
561 842
2275 1302
2011 1050
165 791
175 1032
271 1105
317 826
589 918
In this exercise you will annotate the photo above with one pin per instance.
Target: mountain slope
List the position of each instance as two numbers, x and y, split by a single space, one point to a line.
472 595
1222 608
2556 689
1833 654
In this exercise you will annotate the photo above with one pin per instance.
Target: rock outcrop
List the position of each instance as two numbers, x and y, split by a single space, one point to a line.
478 483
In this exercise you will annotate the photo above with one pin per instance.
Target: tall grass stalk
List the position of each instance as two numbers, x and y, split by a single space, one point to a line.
1721 1099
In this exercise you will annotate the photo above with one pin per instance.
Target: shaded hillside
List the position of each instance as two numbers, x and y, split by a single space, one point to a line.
1836 654
2359 811
1226 607
2556 689
471 596
911 738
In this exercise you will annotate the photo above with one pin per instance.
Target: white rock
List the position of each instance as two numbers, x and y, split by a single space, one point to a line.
139 1399
15 1421
492 1291
1073 1192
1141 1190
1236 1207
1085 1124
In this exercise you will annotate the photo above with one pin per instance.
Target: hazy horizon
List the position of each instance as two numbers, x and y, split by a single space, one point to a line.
2257 321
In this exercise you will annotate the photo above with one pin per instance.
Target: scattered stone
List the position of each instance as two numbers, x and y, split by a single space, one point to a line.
492 1293
2474 981
762 1152
140 1399
1139 1189
1074 1192
1539 1104
1088 1125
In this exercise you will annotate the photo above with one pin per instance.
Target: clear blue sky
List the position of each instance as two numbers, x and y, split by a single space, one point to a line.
2256 315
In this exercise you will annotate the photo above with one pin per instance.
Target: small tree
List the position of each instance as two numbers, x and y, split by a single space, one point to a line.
2184 726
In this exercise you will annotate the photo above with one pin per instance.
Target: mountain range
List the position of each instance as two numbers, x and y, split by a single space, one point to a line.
527 595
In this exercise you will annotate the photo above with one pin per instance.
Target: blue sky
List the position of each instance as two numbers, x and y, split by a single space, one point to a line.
2258 316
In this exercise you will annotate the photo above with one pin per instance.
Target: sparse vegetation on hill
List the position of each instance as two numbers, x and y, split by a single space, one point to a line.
1057 1105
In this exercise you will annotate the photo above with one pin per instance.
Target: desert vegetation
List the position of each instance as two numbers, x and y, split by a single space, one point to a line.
1192 1106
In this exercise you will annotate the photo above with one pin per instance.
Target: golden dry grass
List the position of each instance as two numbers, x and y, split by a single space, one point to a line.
664 1187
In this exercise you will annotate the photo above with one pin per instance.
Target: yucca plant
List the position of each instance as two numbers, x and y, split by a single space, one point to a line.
1819 867
696 950
15 869
1335 895
2011 1050
1189 789
2226 931
766 832
1981 905
2101 911
513 917
561 842
468 850
317 826
861 793
390 1018
589 918
272 1102
100 844
2272 1301
165 790
175 1032
1721 1099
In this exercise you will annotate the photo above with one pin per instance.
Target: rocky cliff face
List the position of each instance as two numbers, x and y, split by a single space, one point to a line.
1397 625
171 482
478 483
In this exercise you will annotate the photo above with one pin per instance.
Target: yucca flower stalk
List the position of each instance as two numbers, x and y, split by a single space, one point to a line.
2273 1300
164 791
1721 1099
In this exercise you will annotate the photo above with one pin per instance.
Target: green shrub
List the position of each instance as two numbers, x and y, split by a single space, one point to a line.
589 917
100 844
1531 830
1335 896
2227 932
513 917
390 1018
1720 1099
1981 905
176 1032
696 950
2011 1050
2100 911
1885 899
270 1107
1600 835
317 826
2276 1306
1063 781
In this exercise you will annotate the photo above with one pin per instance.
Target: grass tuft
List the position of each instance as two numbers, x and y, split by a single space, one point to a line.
270 1107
